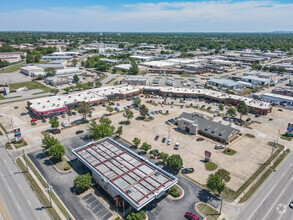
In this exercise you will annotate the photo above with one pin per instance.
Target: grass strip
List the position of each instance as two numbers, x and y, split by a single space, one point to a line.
11 69
46 203
111 80
44 183
8 146
5 131
30 85
209 212
210 166
263 177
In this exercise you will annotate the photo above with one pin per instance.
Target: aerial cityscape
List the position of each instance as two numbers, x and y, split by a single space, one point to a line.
159 110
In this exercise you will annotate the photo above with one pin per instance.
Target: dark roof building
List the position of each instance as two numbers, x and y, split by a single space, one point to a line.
195 123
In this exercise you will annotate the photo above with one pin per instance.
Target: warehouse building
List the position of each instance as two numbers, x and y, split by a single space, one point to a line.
32 70
12 57
225 84
136 80
123 173
288 100
194 123
256 80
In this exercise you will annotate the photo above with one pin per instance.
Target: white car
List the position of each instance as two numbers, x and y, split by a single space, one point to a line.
64 124
169 142
1 115
176 147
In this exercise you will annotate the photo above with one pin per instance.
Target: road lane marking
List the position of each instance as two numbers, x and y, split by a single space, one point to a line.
29 202
9 189
19 186
5 161
262 202
283 174
17 206
278 198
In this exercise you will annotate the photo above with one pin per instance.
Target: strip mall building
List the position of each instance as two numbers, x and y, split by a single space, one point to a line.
50 106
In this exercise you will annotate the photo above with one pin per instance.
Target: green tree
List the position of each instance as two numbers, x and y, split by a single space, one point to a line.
67 89
83 182
128 114
136 142
175 162
136 101
57 151
104 120
109 109
143 111
98 84
221 106
231 111
3 63
54 123
224 175
145 146
74 62
134 70
75 78
54 91
164 156
30 58
119 131
242 109
50 71
100 131
214 183
49 141
22 57
84 109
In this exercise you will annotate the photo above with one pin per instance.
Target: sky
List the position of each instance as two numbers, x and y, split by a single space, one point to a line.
147 15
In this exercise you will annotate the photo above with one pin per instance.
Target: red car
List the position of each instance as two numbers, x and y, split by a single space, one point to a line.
200 139
190 216
157 138
34 120
257 115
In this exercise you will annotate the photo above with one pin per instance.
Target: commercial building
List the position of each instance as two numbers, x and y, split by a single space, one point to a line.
123 173
256 80
57 81
225 83
288 91
194 123
142 58
49 106
57 57
111 61
136 80
12 57
272 97
32 70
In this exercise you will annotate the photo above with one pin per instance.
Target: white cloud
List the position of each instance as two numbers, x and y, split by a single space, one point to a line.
254 16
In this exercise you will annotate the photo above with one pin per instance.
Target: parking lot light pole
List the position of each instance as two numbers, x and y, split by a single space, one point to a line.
48 190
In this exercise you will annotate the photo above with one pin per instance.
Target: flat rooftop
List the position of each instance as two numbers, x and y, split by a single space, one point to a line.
131 176
274 95
225 82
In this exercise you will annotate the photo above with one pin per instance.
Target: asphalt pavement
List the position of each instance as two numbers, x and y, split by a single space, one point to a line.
272 200
19 199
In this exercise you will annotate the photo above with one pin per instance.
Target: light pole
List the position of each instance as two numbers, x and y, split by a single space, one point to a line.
48 190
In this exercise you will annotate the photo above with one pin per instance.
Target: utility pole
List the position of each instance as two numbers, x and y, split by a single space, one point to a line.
24 157
222 200
48 190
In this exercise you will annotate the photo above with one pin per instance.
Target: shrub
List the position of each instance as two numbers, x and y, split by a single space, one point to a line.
174 194
67 168
280 110
15 107
270 119
250 135
240 134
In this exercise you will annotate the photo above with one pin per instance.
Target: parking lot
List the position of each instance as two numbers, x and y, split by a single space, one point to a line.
241 165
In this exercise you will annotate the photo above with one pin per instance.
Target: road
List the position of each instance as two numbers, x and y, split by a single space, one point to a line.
19 199
271 201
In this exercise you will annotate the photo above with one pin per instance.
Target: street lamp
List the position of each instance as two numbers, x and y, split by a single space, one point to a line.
48 190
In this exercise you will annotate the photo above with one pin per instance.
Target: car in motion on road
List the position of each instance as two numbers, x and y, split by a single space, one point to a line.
190 216
187 170
291 204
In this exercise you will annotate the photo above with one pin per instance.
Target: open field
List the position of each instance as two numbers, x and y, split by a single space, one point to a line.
30 85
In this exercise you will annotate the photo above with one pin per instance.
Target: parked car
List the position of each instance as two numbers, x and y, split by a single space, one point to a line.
248 119
291 204
257 115
203 106
157 151
22 114
79 131
169 142
64 124
190 216
187 170
219 146
209 108
74 113
56 131
164 140
199 139
157 138
63 116
176 147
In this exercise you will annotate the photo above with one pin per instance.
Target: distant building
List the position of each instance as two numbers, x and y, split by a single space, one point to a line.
194 123
32 70
278 98
225 83
56 81
256 80
136 80
57 57
111 61
12 57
